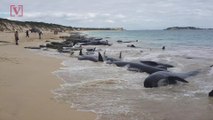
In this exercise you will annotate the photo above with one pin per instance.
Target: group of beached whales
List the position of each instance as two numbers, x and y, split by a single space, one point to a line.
158 73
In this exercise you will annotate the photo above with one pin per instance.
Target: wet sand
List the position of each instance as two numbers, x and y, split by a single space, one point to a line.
26 81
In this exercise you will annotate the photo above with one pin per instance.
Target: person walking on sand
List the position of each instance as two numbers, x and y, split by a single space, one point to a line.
163 48
16 37
40 33
27 33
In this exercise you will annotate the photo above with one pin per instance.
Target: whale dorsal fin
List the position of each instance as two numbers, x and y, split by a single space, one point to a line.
175 78
211 94
100 58
120 56
80 53
104 53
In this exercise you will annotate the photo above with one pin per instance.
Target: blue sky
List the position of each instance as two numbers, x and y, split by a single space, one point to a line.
130 14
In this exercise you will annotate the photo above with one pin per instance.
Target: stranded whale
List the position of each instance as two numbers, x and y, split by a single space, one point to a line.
93 58
140 67
164 78
157 64
111 59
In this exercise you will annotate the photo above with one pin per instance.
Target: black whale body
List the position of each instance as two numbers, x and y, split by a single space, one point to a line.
134 66
111 59
93 58
157 64
164 78
211 94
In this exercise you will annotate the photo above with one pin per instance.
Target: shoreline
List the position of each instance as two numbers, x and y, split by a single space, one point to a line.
26 86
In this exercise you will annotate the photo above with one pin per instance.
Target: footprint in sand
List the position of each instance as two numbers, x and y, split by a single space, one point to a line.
11 60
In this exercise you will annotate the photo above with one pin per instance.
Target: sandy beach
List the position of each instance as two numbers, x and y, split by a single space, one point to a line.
26 81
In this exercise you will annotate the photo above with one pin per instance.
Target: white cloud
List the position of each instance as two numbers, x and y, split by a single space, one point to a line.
106 14
109 21
120 16
92 15
131 14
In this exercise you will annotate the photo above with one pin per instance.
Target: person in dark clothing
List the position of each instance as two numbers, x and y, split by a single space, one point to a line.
16 37
40 33
27 33
163 48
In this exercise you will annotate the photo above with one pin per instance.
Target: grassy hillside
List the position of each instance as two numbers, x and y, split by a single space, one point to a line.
11 25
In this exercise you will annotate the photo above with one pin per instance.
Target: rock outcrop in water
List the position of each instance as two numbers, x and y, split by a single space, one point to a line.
187 28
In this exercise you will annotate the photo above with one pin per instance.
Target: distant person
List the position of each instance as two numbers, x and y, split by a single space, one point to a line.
27 33
39 34
16 37
163 48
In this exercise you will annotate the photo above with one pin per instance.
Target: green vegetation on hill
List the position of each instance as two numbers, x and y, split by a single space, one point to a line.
11 25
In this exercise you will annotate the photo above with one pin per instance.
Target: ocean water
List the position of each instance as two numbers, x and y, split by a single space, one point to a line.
117 94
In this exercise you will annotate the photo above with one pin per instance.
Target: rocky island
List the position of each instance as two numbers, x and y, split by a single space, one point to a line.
187 28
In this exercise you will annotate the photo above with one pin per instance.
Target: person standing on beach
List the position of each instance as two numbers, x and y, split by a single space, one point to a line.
16 37
40 33
27 33
163 48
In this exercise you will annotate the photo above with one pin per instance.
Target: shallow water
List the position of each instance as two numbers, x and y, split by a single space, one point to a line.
117 94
